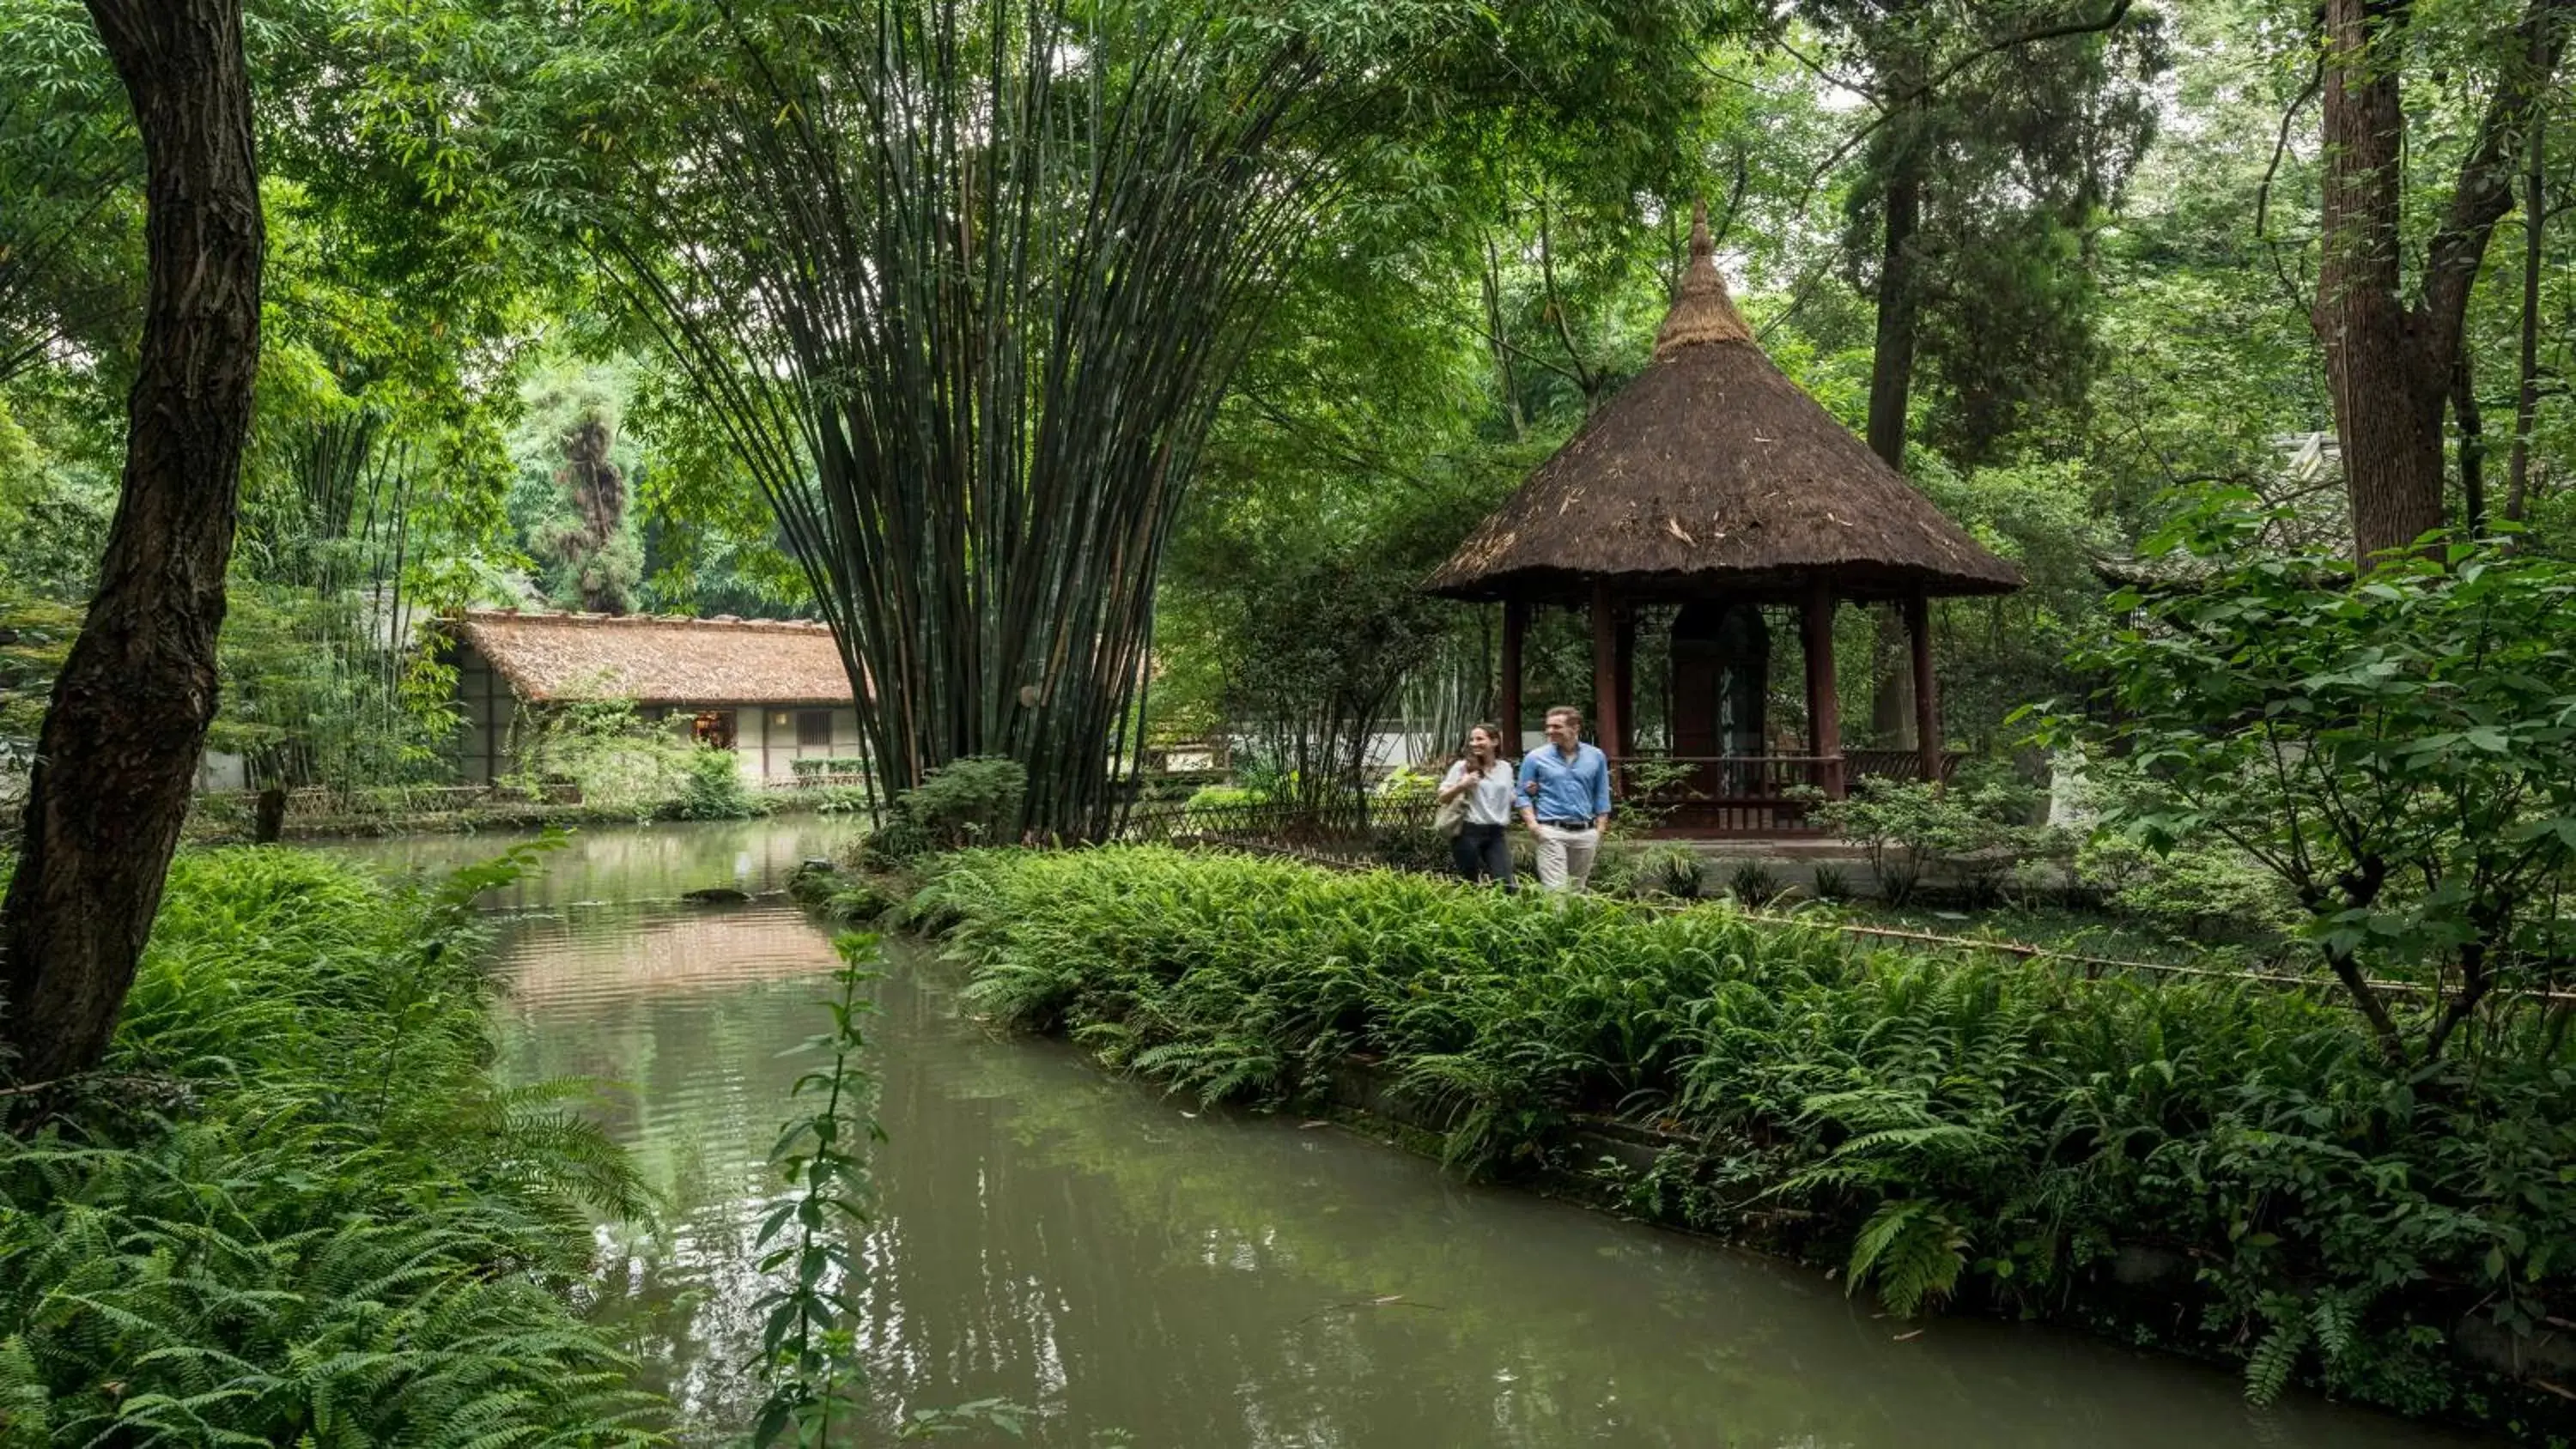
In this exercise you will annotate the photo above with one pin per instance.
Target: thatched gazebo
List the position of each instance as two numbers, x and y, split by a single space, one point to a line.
1712 483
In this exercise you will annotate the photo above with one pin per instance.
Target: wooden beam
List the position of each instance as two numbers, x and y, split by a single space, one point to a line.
1824 710
1515 624
1927 704
1605 674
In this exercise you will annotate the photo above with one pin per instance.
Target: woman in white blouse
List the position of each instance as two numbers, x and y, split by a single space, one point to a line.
1481 847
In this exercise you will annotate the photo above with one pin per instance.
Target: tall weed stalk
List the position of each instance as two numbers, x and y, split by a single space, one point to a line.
808 1344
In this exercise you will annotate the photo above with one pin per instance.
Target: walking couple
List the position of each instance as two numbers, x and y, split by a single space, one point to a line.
1561 793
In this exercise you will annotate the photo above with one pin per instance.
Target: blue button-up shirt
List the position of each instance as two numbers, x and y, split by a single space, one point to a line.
1563 789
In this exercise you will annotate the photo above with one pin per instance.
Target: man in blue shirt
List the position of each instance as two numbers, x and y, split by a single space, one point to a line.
1565 800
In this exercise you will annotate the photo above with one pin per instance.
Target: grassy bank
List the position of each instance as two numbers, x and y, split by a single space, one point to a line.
2216 1167
294 1208
229 819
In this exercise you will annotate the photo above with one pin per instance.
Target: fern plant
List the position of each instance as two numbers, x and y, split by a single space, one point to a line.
333 1229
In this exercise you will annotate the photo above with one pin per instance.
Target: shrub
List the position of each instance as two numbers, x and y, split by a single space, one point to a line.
974 801
1614 867
1972 830
2212 892
1830 883
1405 785
2393 750
1752 882
1942 1125
713 789
615 759
1673 870
303 1213
835 765
859 903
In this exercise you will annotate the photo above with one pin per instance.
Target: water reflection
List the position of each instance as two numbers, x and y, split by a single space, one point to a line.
1119 1261
620 863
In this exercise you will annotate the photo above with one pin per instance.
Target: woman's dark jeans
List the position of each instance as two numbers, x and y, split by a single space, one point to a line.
1483 852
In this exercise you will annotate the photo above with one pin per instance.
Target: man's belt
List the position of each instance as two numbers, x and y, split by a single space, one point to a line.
1568 824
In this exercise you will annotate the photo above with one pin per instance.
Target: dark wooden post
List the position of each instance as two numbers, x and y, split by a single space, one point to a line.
1824 710
1605 675
1623 665
1927 705
1515 624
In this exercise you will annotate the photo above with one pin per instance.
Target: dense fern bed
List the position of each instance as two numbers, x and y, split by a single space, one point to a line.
293 1208
2219 1167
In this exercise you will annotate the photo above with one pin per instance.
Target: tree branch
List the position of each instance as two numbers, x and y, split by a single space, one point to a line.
2484 192
1888 109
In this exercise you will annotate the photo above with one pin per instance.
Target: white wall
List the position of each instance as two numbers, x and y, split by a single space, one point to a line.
765 744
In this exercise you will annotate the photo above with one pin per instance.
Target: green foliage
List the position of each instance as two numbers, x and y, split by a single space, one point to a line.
1830 882
604 750
1911 1252
1968 833
295 1209
1676 871
836 765
712 788
1752 883
1962 1126
2205 891
2392 750
808 1338
965 803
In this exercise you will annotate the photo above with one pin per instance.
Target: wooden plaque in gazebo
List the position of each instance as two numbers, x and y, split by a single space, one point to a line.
1711 482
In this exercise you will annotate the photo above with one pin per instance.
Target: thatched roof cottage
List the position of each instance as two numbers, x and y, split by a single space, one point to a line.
772 690
1709 493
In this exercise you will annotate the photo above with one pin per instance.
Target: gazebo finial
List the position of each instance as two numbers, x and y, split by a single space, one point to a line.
1701 310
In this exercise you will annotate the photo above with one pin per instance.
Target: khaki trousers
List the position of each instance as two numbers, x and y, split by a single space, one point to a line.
1565 857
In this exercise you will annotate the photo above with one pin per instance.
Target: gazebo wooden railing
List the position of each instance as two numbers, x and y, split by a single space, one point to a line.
1756 794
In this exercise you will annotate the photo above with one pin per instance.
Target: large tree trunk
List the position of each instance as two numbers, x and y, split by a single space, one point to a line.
120 744
2390 365
1891 366
2388 413
1891 388
2535 226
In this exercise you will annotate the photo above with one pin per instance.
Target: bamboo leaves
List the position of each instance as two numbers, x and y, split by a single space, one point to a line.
964 282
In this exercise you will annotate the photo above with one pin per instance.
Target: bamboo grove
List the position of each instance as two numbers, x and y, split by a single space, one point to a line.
964 284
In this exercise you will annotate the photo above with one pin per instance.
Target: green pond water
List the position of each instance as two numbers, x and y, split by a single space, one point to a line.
1136 1271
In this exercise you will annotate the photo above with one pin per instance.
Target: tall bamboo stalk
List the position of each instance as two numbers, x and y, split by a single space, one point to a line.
964 283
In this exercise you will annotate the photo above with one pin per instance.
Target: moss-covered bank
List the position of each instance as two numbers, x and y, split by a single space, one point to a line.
2219 1168
294 1208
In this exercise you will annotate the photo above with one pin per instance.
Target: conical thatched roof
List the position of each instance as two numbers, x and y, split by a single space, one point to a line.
1713 472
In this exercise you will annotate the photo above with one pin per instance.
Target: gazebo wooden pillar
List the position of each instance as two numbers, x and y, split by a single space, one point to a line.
1927 707
1824 708
1515 625
1607 704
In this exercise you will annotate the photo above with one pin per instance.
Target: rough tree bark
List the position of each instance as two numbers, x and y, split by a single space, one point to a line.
2535 227
1891 387
2390 363
121 740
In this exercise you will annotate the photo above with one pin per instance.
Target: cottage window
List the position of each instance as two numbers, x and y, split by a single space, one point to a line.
713 728
814 727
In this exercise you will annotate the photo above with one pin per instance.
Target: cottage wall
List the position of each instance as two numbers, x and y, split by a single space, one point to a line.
484 706
767 740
